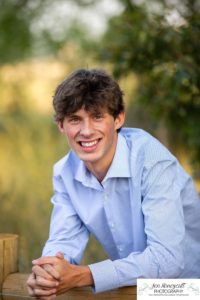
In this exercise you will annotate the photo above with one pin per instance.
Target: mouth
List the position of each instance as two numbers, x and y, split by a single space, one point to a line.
89 145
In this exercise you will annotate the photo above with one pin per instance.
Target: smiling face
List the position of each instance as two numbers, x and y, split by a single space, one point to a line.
93 136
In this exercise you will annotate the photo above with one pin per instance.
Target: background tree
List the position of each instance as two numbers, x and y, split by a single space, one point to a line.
160 42
32 28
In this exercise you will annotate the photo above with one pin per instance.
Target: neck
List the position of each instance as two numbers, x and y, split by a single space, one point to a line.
97 172
100 168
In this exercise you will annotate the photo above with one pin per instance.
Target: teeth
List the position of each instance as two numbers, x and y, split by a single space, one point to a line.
89 144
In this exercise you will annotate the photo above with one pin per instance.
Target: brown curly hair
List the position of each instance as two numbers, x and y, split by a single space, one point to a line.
93 90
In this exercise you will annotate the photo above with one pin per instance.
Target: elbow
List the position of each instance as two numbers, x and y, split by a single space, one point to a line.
173 267
172 272
169 264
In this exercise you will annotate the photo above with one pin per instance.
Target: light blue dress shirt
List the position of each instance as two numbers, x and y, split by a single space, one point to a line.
145 213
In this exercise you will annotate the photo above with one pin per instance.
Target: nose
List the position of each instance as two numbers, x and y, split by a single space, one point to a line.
86 128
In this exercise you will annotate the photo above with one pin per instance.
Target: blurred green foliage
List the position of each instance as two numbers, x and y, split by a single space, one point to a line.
30 28
30 145
160 42
16 37
27 154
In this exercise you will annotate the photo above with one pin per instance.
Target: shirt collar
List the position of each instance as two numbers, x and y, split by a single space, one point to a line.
83 175
120 166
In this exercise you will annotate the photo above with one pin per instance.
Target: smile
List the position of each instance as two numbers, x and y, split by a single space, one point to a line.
89 144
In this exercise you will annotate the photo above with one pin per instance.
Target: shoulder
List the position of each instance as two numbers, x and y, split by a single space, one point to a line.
144 147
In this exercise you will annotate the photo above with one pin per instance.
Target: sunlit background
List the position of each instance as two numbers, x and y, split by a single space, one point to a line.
151 47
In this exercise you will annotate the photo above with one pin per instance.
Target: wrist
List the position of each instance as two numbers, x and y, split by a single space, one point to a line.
86 278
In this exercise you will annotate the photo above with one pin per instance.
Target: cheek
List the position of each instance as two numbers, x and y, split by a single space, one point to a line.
69 134
110 129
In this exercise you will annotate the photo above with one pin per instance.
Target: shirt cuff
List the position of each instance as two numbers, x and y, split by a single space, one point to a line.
104 275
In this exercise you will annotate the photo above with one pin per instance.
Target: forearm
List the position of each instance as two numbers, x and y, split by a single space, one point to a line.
72 276
151 263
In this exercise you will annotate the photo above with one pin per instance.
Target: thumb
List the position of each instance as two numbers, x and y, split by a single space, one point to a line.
60 255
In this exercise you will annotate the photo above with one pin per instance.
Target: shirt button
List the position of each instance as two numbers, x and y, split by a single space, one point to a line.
112 225
120 249
106 197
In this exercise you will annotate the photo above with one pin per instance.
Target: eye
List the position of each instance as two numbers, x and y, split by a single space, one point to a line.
98 117
74 120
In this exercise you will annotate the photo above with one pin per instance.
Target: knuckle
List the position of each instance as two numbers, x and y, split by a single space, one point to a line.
30 291
46 267
38 280
37 292
34 268
30 283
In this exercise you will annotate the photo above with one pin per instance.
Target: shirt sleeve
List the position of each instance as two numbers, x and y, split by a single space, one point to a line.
164 229
67 232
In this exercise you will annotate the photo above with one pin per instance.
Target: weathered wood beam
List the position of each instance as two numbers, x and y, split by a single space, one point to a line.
13 284
14 287
8 255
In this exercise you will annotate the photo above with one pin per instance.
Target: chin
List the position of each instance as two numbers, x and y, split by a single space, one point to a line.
89 158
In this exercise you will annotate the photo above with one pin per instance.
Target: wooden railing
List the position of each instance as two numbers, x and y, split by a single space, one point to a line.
13 284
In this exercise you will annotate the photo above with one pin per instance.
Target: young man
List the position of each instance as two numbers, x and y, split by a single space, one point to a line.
121 185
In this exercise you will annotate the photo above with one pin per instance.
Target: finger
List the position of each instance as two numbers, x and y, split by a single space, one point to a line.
51 270
44 283
31 281
39 271
42 292
60 255
30 291
39 283
45 260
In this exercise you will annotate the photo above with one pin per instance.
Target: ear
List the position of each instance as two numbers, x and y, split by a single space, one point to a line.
60 126
119 121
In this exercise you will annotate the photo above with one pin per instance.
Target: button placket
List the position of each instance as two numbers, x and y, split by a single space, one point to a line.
107 211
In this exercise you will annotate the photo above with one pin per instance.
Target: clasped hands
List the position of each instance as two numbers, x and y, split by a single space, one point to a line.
53 275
